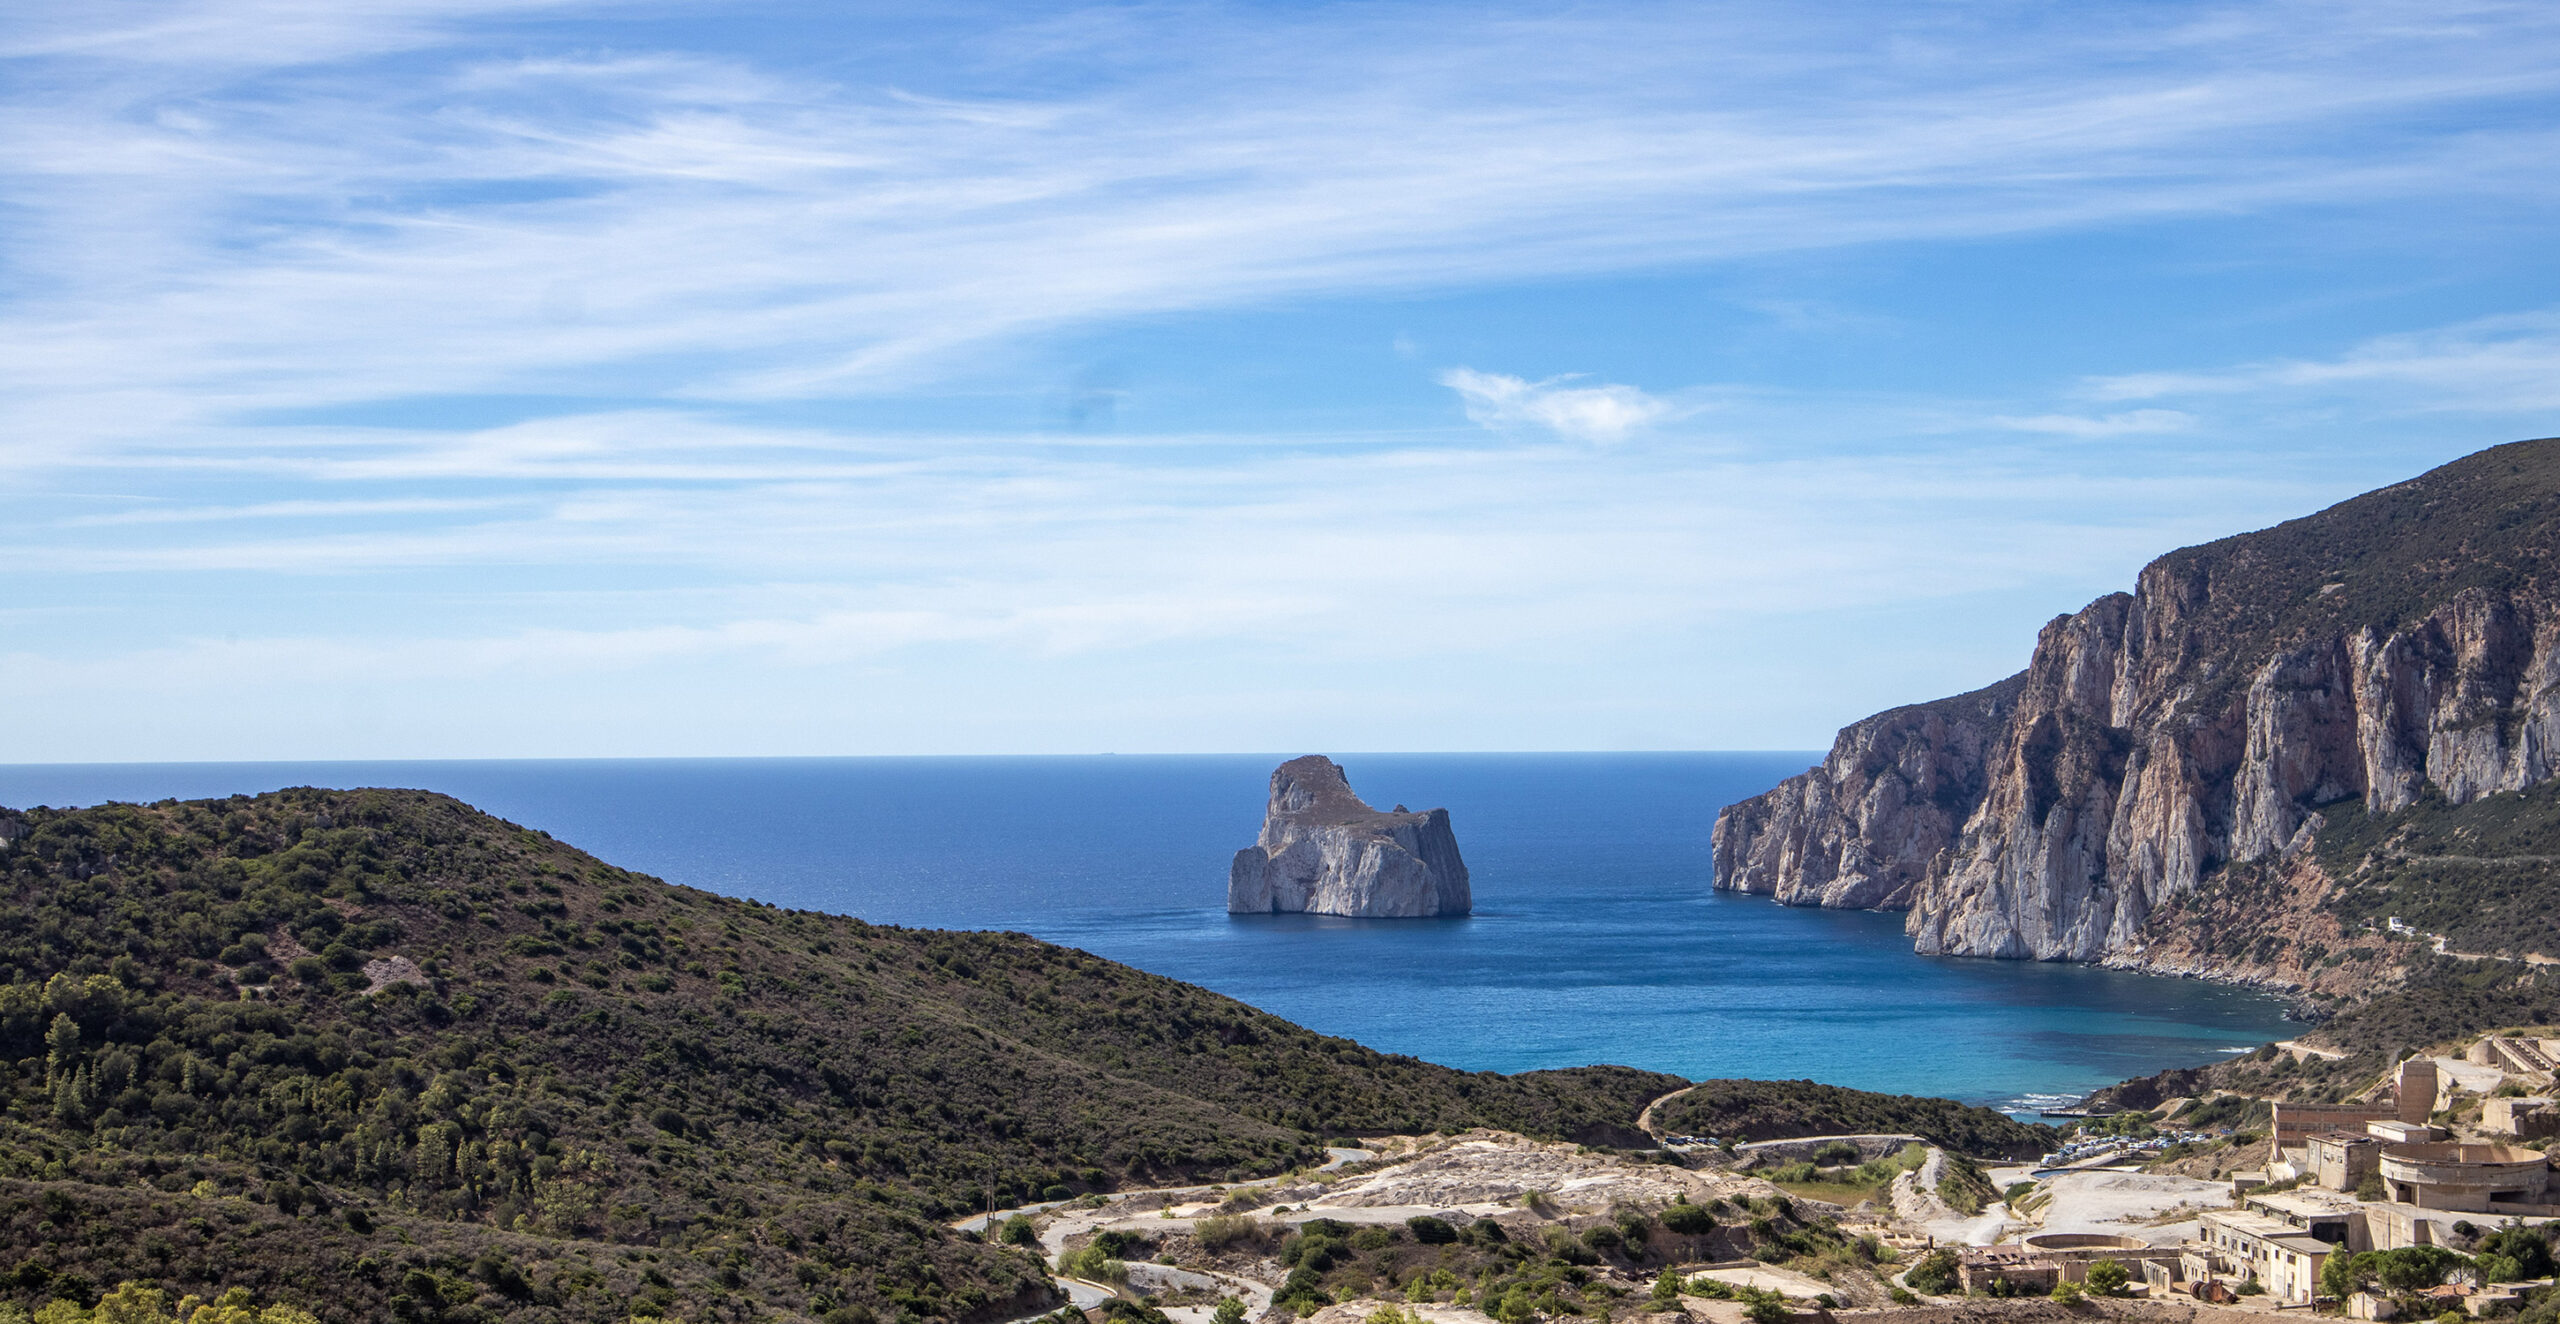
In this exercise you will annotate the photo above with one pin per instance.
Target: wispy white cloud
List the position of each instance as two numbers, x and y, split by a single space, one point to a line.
1599 415
386 206
2133 422
235 225
2506 364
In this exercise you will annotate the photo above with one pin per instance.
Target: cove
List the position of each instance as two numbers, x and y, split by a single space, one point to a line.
1596 938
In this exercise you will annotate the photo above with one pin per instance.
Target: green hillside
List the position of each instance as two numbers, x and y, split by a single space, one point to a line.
2485 875
1747 1110
2488 521
380 1056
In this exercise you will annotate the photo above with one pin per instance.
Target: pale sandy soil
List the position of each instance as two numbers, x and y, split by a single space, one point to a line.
2123 1203
1769 1277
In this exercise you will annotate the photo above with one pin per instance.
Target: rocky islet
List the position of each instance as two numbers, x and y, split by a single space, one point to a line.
1324 851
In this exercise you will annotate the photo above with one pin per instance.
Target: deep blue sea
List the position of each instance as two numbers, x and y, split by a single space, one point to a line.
1596 935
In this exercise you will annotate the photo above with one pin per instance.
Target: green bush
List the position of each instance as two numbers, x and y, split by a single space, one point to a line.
2521 1246
1688 1219
1431 1231
1935 1274
1219 1231
2108 1278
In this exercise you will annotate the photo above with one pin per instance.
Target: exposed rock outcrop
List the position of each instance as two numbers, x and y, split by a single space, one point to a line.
1859 831
1323 851
2402 644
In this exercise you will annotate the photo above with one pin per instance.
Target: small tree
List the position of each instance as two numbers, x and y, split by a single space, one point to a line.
1687 1219
2108 1278
1230 1310
1666 1288
1935 1274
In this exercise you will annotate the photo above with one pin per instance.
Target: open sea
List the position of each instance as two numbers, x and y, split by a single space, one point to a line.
1596 937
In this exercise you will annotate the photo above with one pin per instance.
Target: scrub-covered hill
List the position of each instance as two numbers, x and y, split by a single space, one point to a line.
378 1055
1746 1110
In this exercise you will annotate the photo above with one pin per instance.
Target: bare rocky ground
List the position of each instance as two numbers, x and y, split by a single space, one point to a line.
2129 1204
1528 1187
1523 1184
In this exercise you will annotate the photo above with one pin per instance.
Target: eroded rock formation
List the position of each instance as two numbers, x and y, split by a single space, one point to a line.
2401 644
1859 831
1323 851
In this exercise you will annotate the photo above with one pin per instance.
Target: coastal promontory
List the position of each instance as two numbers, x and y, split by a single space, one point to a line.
1324 851
2397 654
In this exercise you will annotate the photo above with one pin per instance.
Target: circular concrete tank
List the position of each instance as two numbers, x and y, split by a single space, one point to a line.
2082 1241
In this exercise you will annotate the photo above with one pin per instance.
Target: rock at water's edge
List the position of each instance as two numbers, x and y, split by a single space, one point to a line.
1324 851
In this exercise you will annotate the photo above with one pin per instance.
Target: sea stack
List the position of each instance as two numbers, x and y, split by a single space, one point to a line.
1324 851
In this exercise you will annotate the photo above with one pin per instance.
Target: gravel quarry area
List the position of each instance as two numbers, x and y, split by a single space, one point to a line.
1532 1187
1492 1171
2125 1203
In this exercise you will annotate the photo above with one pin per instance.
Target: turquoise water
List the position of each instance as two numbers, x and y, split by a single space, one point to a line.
1596 937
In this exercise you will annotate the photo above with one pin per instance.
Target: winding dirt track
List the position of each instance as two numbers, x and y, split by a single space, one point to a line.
1644 1120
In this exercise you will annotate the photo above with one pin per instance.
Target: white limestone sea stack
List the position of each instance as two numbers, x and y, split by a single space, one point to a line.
1324 851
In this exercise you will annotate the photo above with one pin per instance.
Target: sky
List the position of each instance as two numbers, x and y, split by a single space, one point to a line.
487 379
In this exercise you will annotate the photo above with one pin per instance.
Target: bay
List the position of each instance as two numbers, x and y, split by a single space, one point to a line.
1597 936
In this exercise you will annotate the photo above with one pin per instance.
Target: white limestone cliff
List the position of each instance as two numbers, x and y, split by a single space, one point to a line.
1323 851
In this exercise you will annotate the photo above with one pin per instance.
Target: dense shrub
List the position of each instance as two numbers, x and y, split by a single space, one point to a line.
1778 1109
1219 1231
1688 1219
1935 1274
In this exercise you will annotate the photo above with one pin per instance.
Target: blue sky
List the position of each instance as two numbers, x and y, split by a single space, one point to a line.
422 379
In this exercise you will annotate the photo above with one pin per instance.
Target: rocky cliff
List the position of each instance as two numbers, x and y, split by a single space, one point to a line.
1324 851
1859 831
2400 645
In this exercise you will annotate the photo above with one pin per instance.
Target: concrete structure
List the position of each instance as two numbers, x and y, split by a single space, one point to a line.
2475 1178
1979 1268
2340 1160
2387 1226
2240 1244
2071 1253
2533 1118
2534 1059
2406 1133
2324 1217
2414 1088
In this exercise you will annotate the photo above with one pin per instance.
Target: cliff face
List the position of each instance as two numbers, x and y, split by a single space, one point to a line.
2401 644
1860 830
1323 851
